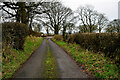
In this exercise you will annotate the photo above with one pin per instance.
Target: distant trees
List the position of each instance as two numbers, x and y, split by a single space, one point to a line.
54 16
113 26
102 22
82 29
37 27
67 26
90 19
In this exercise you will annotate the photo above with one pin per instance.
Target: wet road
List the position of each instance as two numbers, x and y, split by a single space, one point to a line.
34 67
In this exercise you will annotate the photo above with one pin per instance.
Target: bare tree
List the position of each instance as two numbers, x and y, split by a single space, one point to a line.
56 14
47 27
68 25
102 22
113 26
90 19
82 29
37 27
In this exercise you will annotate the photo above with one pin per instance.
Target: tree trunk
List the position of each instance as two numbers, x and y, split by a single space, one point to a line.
47 31
18 15
56 30
64 31
23 13
100 29
31 23
90 30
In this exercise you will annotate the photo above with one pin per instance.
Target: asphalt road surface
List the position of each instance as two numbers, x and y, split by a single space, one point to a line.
34 67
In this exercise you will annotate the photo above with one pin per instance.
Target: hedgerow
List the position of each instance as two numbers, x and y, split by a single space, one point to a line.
107 43
33 33
58 37
13 34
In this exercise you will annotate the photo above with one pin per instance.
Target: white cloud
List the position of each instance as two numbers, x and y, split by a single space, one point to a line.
109 7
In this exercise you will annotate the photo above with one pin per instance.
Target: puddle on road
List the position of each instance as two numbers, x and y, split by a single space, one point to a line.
50 65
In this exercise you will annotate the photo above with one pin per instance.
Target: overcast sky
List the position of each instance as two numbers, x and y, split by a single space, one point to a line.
108 7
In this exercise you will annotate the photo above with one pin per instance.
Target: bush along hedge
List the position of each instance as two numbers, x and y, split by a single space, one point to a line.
14 34
33 33
58 37
108 43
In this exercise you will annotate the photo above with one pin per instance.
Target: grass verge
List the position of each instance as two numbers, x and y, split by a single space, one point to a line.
96 64
15 58
0 60
50 66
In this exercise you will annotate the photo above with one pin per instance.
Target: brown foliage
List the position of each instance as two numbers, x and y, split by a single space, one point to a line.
33 33
13 34
58 37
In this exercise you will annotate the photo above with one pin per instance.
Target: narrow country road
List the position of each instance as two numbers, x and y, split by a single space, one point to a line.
34 67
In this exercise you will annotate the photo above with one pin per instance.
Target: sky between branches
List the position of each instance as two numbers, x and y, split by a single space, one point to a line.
108 7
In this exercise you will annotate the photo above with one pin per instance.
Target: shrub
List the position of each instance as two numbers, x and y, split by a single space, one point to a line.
33 33
58 37
13 34
108 43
